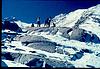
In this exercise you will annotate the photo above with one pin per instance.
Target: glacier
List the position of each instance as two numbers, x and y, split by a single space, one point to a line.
61 46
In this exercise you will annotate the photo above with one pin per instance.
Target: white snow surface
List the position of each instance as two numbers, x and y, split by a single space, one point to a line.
26 25
63 20
91 60
87 59
68 20
13 64
22 24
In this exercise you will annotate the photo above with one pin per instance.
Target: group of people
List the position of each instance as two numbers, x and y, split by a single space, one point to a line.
46 24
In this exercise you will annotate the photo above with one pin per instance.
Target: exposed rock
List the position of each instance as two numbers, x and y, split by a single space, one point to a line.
81 35
55 63
38 42
19 49
11 26
54 30
87 51
69 65
35 63
32 51
76 56
59 51
48 66
95 39
77 34
51 30
98 54
4 47
23 58
90 66
3 64
30 38
45 46
63 29
88 38
7 56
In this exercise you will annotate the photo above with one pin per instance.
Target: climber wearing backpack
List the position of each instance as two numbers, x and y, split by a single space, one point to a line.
32 25
46 22
38 22
49 20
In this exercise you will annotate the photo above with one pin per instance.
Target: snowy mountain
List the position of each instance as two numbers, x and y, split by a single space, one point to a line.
87 19
22 24
73 43
69 20
25 25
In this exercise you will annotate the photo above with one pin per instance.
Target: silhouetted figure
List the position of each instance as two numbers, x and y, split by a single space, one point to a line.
32 25
38 22
46 22
49 20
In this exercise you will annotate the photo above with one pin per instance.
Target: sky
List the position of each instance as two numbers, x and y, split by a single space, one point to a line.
28 10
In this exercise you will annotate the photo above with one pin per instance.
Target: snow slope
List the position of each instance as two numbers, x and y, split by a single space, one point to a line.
93 22
79 46
22 24
13 64
69 19
88 19
26 25
58 39
72 52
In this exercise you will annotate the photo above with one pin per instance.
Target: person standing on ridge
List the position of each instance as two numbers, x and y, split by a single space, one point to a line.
32 25
49 20
46 22
38 22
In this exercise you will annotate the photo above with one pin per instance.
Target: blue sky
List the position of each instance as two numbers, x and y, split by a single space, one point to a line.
28 10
